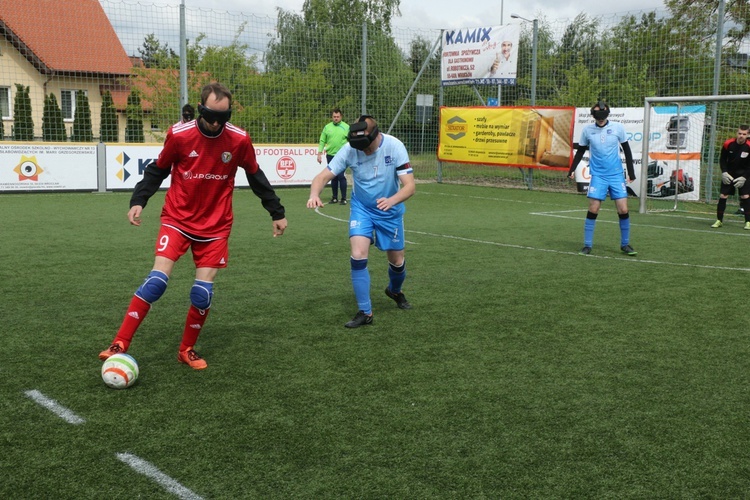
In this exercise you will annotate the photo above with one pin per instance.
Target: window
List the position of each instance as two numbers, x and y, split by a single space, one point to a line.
5 103
68 103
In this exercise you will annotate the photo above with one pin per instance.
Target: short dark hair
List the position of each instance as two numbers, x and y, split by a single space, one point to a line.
188 111
219 90
744 126
336 110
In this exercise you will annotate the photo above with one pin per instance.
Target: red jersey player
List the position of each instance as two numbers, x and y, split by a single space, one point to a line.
203 156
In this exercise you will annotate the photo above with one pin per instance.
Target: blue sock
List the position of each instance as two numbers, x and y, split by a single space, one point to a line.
397 275
624 229
588 232
361 284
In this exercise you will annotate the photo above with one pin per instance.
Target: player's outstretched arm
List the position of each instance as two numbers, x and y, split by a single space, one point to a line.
319 182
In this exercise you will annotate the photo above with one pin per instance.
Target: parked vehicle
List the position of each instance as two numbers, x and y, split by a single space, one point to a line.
662 182
677 132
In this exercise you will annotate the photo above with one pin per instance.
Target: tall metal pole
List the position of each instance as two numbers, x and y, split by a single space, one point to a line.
533 60
500 87
183 57
364 69
714 107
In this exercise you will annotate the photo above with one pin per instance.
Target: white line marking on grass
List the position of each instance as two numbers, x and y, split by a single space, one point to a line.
558 213
317 211
561 252
54 407
489 198
149 470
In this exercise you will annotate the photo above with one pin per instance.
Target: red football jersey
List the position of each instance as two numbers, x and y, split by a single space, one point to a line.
199 199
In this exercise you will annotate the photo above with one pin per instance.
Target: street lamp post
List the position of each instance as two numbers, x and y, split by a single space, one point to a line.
535 34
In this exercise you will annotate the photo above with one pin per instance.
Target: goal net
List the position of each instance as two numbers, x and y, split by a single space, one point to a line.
682 141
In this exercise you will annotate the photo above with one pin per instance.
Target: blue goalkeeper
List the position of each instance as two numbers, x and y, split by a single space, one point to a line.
603 139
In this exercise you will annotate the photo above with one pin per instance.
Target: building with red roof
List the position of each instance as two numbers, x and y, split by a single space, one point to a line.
61 47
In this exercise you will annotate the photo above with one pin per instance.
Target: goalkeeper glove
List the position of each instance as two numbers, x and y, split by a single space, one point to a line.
739 182
726 178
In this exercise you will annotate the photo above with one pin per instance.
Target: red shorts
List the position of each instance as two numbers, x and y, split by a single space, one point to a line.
173 244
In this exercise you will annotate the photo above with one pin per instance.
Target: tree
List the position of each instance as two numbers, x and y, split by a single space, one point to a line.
134 114
109 130
699 16
581 87
23 123
321 33
419 51
324 13
53 125
674 65
155 55
82 129
581 48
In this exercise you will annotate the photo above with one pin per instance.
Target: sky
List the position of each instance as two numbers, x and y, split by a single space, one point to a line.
449 14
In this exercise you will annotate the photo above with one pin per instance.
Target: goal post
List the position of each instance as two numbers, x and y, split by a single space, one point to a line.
682 139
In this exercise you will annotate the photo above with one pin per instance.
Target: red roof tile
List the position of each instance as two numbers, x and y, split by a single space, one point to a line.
64 35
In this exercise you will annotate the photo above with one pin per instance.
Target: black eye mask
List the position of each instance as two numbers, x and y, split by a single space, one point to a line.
211 116
358 136
602 113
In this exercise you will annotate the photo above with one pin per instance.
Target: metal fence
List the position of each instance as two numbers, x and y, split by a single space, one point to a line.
288 72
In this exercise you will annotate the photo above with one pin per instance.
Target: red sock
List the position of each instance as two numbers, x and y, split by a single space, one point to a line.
137 312
193 324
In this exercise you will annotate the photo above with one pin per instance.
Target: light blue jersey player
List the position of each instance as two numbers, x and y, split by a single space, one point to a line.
383 180
603 139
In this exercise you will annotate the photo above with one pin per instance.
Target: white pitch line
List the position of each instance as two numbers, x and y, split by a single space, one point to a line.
54 407
317 211
149 470
561 252
558 213
472 197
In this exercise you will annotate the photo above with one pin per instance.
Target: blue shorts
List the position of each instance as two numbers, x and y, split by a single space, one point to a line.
387 228
600 187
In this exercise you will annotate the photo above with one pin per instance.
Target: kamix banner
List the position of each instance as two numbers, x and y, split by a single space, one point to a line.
532 137
480 56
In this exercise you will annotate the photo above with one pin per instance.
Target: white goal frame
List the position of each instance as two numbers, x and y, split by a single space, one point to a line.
647 125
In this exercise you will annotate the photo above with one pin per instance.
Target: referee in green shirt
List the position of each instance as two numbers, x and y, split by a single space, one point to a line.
333 137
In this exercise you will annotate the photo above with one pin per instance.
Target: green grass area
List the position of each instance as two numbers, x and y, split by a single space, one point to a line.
524 370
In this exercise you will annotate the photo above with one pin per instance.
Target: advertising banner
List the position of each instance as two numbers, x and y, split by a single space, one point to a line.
674 149
532 137
480 56
47 167
283 164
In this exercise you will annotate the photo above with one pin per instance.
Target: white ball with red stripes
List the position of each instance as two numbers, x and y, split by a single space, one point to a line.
120 371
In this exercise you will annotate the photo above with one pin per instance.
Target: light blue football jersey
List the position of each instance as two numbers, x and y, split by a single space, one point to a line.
604 148
375 176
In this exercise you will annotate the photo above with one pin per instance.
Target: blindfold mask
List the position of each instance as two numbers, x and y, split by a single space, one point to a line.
602 113
212 116
358 136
